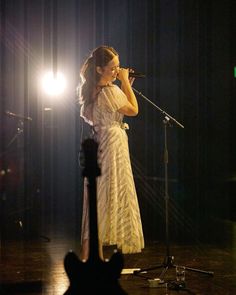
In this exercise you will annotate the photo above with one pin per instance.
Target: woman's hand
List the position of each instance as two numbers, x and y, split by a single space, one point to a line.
123 75
131 79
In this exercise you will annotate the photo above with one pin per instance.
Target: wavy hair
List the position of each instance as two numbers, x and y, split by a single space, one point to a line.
100 57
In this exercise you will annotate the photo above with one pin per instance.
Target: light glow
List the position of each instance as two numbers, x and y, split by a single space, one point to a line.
54 83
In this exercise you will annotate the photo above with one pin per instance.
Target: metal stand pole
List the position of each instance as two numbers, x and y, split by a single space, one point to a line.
169 259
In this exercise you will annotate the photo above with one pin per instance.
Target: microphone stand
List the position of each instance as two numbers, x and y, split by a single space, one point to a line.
3 197
169 259
16 137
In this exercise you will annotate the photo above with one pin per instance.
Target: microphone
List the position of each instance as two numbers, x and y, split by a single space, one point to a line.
136 75
10 114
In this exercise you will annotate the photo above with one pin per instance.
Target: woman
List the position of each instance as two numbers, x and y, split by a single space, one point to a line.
103 106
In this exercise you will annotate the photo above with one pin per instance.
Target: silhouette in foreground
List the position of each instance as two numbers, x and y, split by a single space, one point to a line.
93 275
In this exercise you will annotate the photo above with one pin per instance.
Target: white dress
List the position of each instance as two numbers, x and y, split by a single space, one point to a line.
119 220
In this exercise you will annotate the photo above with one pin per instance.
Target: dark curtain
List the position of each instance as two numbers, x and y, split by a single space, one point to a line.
187 51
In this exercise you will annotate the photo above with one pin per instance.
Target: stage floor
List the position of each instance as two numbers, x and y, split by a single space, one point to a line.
36 267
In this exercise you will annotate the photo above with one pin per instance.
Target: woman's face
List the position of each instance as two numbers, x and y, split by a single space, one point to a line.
110 71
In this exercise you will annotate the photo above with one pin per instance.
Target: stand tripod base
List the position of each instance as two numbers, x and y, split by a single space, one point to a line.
168 261
167 264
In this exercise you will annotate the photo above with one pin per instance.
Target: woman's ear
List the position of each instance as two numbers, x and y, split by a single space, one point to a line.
99 70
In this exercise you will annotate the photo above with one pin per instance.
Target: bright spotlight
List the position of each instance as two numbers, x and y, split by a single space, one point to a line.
53 84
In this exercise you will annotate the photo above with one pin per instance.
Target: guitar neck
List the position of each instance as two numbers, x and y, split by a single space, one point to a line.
93 225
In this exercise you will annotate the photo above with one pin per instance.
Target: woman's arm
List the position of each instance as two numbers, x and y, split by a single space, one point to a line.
131 108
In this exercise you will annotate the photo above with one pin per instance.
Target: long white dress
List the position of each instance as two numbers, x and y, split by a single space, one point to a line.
119 220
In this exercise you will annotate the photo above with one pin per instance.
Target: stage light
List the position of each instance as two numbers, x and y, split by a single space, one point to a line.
53 83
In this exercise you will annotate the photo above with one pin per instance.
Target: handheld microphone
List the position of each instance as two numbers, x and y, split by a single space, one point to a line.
136 75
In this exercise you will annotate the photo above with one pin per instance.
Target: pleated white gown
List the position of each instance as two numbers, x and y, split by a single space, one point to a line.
119 220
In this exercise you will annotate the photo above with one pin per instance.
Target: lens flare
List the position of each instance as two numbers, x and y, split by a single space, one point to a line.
54 83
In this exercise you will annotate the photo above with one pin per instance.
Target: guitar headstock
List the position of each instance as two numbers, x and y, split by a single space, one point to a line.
90 151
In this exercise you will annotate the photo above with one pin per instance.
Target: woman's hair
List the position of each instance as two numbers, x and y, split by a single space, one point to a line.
100 57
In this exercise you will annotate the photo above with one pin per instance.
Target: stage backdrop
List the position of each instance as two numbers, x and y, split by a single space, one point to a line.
187 51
